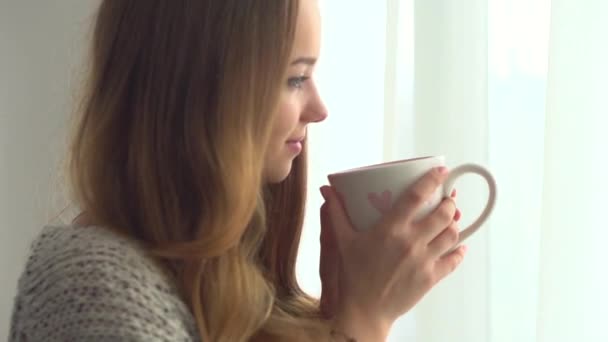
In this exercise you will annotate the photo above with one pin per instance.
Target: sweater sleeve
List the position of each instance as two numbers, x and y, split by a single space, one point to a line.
83 291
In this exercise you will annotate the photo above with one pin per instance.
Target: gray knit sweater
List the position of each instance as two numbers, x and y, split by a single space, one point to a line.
90 284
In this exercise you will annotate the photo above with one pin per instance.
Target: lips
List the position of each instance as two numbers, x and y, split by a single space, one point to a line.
296 140
295 145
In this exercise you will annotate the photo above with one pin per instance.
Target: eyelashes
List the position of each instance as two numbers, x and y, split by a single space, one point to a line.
296 83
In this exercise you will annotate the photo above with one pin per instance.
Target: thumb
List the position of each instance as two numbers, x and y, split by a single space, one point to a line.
340 223
328 266
328 240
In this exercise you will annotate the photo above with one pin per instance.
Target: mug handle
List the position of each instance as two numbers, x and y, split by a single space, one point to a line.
484 173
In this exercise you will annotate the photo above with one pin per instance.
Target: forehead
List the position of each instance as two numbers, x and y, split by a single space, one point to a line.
308 29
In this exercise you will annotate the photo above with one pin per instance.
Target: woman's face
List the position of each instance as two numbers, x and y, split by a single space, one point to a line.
300 103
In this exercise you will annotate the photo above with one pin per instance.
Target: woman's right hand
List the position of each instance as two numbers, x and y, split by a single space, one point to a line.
386 270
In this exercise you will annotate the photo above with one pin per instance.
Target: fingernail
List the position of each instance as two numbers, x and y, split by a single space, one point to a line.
465 248
458 215
453 194
324 193
442 170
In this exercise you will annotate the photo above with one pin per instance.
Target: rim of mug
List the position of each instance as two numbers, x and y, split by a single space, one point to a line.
379 165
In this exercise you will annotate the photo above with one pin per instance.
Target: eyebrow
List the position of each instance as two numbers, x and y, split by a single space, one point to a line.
304 60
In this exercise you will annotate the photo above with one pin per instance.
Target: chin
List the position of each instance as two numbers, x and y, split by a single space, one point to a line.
279 173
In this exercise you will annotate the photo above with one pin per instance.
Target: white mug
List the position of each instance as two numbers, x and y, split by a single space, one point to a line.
368 192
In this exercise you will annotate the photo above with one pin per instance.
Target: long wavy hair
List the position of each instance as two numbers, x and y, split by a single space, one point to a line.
166 147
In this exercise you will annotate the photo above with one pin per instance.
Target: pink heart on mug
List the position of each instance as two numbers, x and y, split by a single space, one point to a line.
382 202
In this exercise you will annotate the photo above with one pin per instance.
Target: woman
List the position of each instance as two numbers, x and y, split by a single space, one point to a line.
188 161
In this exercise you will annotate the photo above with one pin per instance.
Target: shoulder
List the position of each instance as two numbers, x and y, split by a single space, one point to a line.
87 283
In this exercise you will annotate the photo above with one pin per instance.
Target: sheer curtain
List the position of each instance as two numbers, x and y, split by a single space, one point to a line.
515 85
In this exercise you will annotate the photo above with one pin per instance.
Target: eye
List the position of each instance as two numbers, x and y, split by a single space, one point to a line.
297 82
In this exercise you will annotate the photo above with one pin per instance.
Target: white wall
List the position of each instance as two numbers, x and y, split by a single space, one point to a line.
40 44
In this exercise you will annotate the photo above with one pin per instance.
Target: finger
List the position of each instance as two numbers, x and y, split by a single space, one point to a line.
329 286
326 305
329 281
448 263
340 223
434 223
413 198
445 241
327 244
457 215
328 265
326 237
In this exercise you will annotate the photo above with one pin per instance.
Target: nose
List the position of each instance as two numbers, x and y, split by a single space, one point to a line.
319 115
315 111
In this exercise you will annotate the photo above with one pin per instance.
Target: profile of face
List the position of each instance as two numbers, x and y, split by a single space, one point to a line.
300 103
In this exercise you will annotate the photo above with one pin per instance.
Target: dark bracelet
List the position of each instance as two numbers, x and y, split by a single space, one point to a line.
335 333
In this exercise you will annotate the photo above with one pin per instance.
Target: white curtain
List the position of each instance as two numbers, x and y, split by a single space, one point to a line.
515 85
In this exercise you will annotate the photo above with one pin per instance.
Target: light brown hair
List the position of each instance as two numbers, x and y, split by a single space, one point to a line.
167 149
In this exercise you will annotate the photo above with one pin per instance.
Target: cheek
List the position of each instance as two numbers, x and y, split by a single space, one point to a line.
287 119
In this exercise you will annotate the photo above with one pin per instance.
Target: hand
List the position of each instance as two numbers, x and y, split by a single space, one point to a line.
385 271
329 265
330 262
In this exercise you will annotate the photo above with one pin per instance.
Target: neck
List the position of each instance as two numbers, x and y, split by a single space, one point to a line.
82 219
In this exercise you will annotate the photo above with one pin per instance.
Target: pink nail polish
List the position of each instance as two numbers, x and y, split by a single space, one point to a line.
458 215
442 170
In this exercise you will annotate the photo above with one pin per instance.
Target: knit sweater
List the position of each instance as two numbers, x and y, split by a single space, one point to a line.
91 284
